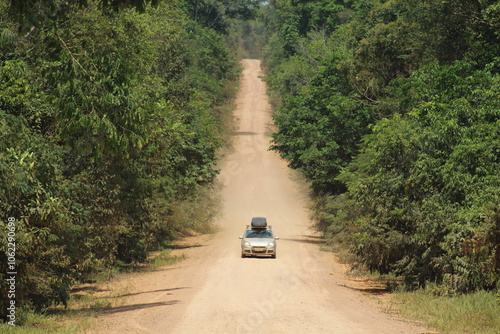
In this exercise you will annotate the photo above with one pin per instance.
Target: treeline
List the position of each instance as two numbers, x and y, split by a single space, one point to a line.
111 117
391 109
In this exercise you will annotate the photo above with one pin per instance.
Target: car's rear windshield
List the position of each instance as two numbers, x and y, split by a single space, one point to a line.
259 233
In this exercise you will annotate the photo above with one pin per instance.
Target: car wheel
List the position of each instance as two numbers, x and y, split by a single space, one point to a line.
273 256
243 256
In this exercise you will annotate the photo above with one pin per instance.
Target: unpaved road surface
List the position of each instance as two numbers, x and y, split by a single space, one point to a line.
214 290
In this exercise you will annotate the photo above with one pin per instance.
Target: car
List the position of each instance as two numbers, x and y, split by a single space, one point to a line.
258 239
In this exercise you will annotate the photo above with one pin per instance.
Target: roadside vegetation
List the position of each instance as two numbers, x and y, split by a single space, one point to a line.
391 110
112 113
111 117
467 313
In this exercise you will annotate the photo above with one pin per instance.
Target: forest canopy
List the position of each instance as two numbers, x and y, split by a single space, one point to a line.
391 109
111 119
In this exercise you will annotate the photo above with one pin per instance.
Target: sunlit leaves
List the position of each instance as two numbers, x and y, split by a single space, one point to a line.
415 85
443 153
108 125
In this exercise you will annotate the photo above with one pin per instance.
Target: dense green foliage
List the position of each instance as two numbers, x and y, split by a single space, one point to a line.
391 109
110 124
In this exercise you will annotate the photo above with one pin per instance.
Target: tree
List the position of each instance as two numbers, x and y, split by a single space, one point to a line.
110 128
389 110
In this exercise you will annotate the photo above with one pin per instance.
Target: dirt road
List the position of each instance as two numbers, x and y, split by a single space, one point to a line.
216 291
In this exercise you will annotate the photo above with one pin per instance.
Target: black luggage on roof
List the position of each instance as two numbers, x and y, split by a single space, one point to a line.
259 222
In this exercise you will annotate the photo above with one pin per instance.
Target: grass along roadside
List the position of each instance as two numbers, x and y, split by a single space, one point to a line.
476 313
164 258
37 324
90 299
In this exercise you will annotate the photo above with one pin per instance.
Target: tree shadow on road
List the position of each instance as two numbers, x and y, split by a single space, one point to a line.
183 246
244 133
143 292
307 239
133 307
101 307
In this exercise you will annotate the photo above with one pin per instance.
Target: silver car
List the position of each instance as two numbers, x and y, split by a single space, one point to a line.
258 242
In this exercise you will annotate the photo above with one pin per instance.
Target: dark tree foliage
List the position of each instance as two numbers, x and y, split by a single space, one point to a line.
390 109
109 131
216 14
